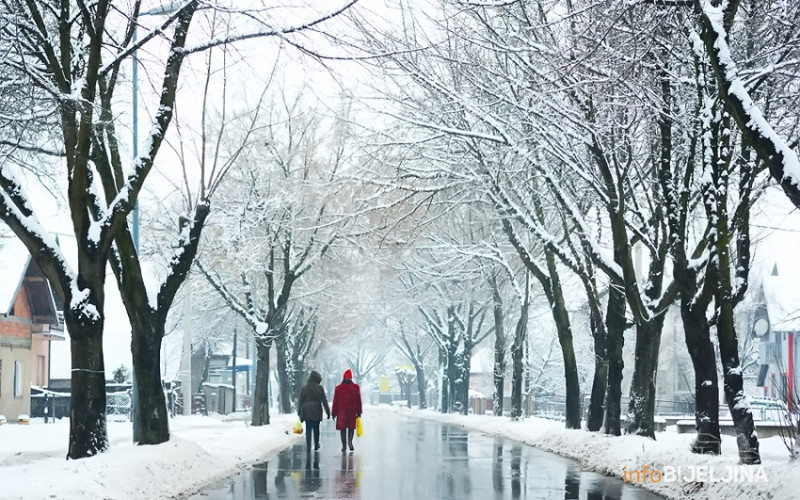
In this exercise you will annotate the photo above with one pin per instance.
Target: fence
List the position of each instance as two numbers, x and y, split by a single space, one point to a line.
118 405
554 407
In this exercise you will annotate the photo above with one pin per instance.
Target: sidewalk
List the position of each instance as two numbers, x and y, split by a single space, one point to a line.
201 451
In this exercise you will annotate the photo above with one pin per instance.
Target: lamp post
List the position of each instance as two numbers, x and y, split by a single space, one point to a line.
135 224
233 370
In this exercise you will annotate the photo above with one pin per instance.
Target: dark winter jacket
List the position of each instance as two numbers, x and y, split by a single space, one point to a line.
312 399
346 404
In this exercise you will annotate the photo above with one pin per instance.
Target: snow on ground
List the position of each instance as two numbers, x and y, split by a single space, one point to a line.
613 455
205 450
201 451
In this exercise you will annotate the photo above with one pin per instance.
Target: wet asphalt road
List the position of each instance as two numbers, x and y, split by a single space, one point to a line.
399 458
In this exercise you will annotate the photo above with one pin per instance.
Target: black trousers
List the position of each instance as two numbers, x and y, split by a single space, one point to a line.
312 426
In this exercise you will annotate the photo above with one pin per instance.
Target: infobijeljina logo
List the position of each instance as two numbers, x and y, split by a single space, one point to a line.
696 473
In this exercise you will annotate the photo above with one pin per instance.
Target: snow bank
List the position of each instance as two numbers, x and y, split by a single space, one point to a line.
201 451
611 455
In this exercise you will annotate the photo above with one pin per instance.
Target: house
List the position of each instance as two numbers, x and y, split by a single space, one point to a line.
29 322
776 324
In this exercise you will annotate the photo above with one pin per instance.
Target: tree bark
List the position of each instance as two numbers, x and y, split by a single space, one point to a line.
88 435
284 382
421 387
498 373
260 414
454 374
594 421
146 351
445 396
499 385
517 360
573 388
516 379
641 407
746 437
465 369
615 326
706 385
561 317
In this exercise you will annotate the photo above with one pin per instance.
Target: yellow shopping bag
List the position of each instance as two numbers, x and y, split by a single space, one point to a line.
359 428
298 428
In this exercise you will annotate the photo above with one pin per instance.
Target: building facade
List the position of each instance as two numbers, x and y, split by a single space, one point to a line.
29 321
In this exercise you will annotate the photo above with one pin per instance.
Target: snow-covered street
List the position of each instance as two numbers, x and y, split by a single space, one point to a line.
204 451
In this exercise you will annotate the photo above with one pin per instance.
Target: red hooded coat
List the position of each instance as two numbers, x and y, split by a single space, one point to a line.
346 404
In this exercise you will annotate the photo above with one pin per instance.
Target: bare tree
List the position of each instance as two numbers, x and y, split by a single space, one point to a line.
72 55
281 221
413 348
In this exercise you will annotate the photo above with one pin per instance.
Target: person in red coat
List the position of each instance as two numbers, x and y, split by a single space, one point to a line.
346 407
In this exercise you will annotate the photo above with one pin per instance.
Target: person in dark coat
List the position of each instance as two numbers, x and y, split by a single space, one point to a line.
346 407
309 407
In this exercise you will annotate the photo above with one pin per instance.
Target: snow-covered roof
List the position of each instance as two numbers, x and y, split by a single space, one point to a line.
14 258
782 297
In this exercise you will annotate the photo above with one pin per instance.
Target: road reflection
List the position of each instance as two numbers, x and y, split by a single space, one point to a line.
407 459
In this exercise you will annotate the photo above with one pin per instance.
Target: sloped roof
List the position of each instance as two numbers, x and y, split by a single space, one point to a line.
14 258
782 297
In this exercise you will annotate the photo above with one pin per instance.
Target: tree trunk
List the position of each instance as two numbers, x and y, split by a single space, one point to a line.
615 328
421 387
445 391
594 421
573 387
153 418
516 379
499 385
261 393
561 318
283 378
454 387
499 352
642 405
465 368
518 355
746 437
706 384
88 435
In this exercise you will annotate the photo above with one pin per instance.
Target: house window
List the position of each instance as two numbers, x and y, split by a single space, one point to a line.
17 379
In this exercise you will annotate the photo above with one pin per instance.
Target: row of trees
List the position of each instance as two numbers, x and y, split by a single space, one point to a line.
592 131
538 147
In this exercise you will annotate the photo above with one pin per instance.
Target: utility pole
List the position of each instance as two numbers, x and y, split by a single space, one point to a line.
233 370
186 363
135 225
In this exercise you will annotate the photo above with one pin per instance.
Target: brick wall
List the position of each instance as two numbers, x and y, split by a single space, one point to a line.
18 325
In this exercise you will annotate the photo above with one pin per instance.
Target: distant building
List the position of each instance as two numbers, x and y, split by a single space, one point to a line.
776 324
29 322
